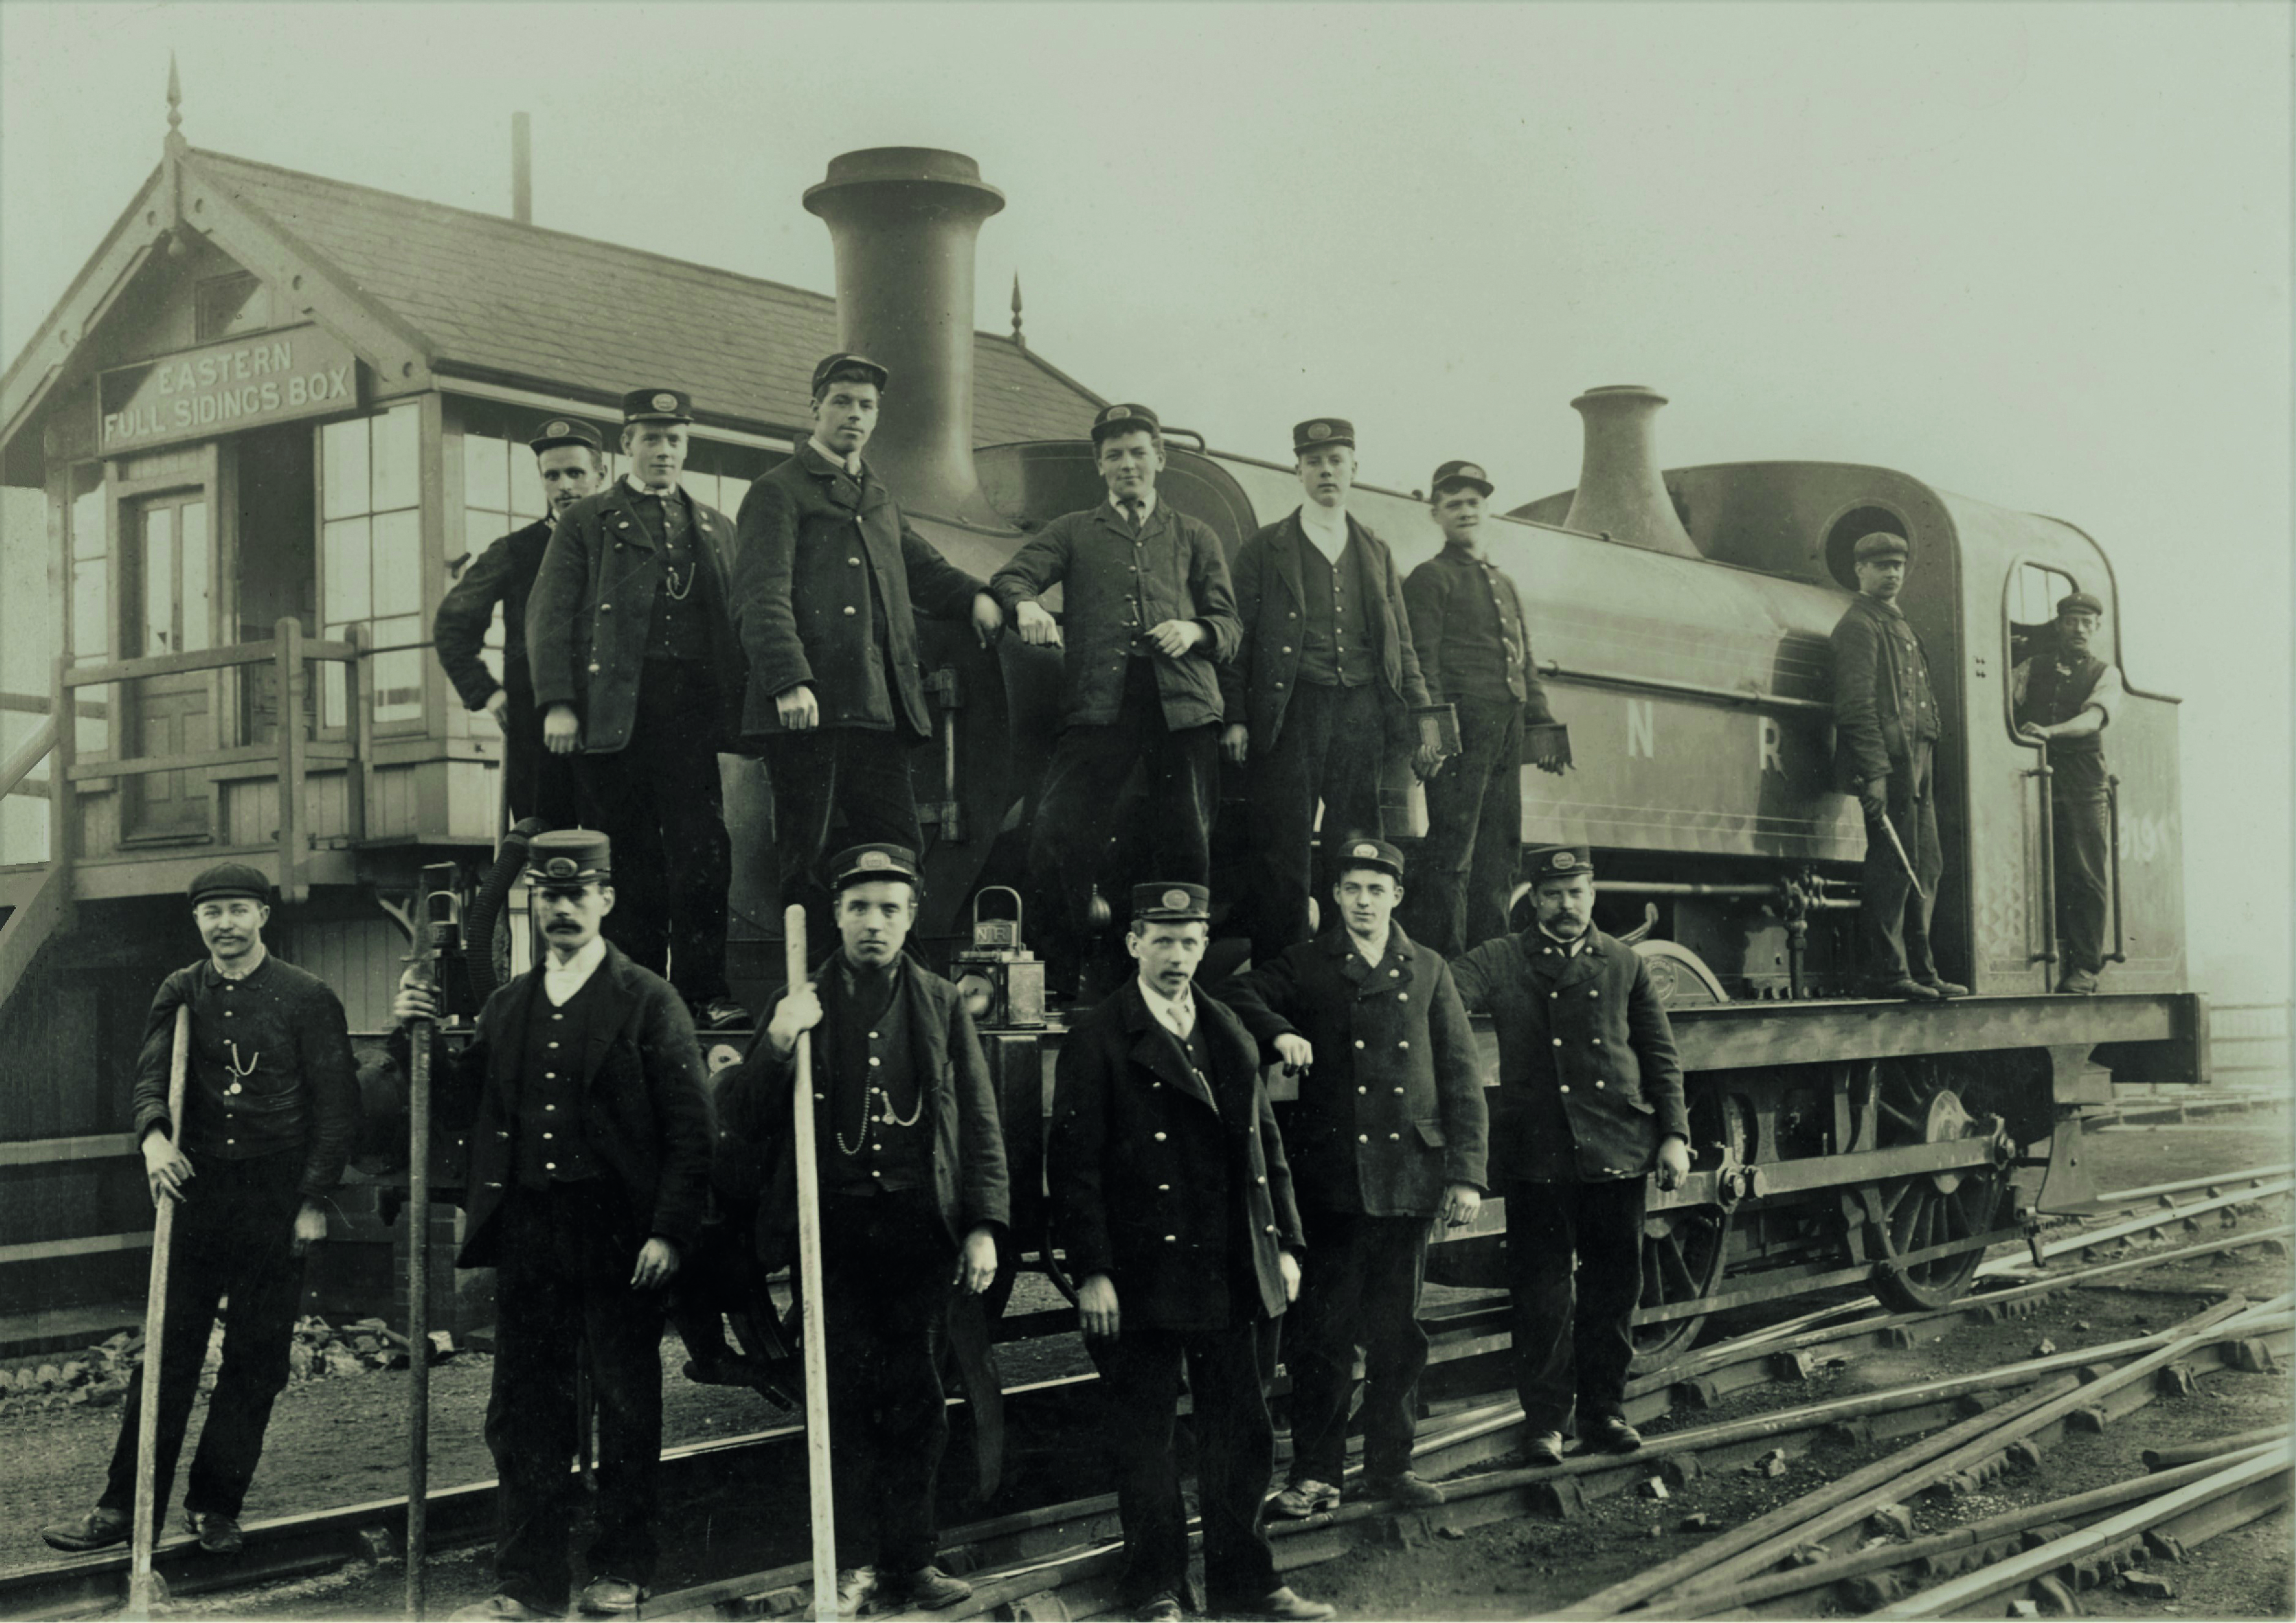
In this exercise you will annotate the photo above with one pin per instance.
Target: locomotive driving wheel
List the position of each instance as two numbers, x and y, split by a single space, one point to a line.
1913 1104
1685 1250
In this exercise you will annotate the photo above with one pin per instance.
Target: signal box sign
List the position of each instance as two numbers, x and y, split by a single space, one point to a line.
247 383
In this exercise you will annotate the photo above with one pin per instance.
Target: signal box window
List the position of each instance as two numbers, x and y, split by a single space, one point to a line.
370 558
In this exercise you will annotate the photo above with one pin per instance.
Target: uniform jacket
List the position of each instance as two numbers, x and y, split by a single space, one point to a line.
1589 1026
1115 589
1450 639
503 574
1391 1112
1120 1201
645 1113
593 606
1258 682
1882 701
755 1112
812 540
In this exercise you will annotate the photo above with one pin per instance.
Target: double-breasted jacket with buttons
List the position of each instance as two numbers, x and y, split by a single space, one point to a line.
1583 1031
592 607
813 540
1129 1197
1258 683
645 1114
1391 1112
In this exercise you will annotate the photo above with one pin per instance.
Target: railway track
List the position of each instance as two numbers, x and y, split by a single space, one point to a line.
1463 1430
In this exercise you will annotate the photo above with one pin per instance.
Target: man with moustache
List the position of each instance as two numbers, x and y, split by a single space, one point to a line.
1322 688
1589 1098
1473 641
828 580
1388 1130
914 1200
571 460
2063 696
638 673
581 1099
270 1110
1172 1199
1150 616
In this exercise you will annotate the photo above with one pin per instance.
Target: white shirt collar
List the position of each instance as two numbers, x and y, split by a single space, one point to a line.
1571 949
1373 959
1326 529
561 981
851 464
1147 506
1176 1015
637 488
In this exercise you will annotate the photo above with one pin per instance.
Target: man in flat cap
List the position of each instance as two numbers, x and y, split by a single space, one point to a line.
571 460
581 1099
638 671
1172 1199
1589 1100
1885 733
913 1203
270 1110
2063 696
1150 616
1322 690
1389 1129
1473 643
828 581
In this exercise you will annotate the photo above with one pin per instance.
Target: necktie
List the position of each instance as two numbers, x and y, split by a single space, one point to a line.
1131 508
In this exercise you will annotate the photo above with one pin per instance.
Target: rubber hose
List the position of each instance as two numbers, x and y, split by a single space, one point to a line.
485 907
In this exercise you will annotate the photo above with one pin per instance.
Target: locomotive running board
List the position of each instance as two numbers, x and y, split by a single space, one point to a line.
1745 1036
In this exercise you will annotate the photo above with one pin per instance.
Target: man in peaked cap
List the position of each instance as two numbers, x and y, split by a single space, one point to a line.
571 460
2063 696
1321 692
639 676
828 582
1150 616
581 1099
1885 731
1473 641
1171 1195
1589 1100
270 1110
1389 1129
913 1201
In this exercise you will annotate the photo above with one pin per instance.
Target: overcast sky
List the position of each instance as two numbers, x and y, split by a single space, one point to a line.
2034 254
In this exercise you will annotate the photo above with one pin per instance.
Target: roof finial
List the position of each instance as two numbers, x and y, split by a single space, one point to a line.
174 97
1018 336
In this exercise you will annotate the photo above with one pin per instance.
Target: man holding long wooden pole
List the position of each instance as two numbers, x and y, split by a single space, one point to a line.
912 1198
270 1107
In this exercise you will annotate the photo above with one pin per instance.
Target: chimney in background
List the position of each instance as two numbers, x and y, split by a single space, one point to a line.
521 169
1619 491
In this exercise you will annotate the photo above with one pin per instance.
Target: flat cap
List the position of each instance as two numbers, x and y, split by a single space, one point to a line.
2079 602
845 364
1317 432
564 432
1451 474
1363 851
1124 417
228 879
1880 544
1542 862
1170 902
657 405
569 859
858 864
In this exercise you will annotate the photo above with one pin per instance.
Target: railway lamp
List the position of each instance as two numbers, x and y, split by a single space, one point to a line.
1002 980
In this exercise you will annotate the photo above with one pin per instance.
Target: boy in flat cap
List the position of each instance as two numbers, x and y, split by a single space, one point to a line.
828 581
1389 1129
270 1110
1473 641
1150 616
1323 687
1589 1098
638 673
1885 733
1171 1197
2063 696
914 1200
581 1098
571 460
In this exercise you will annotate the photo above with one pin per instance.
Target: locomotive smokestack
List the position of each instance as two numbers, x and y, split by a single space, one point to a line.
1619 491
904 220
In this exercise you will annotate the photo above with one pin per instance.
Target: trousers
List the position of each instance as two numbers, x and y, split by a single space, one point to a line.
1893 922
1573 1338
663 805
861 772
2079 824
1359 1288
1465 874
1329 753
234 1237
536 783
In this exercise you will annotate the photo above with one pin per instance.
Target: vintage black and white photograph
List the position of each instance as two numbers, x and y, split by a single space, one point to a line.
1139 810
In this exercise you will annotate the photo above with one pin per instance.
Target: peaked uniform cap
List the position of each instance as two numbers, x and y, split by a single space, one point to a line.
1126 417
1367 852
860 863
1451 474
657 405
1319 431
1556 862
564 432
568 858
1170 902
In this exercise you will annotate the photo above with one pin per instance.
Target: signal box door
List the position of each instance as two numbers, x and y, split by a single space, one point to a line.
168 600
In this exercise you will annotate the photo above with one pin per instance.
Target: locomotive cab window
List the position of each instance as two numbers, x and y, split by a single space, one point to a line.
2034 592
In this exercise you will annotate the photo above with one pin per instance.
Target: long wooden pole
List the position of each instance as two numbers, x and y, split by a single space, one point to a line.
809 1295
143 1582
418 1289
